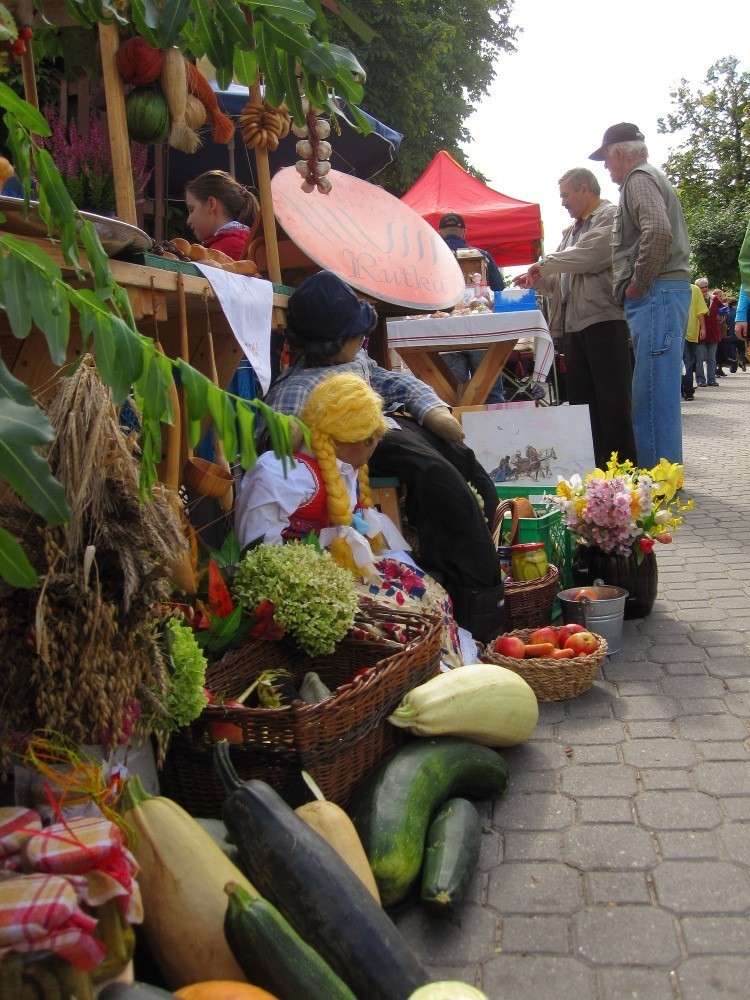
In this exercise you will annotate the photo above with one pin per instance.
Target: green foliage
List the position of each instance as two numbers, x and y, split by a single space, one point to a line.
314 599
428 64
711 166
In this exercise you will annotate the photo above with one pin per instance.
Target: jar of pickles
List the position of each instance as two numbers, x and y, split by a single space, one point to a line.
529 561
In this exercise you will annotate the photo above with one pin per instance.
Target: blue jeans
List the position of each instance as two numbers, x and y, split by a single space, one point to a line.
463 364
657 324
707 353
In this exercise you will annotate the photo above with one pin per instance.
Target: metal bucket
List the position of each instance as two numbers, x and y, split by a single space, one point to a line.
602 613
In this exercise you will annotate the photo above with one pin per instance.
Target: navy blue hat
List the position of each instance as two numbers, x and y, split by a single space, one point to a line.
323 308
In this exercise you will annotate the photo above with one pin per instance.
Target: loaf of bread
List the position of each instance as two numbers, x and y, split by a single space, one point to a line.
247 267
218 256
197 252
182 246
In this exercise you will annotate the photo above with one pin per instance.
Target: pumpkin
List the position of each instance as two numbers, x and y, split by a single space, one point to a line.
147 115
223 989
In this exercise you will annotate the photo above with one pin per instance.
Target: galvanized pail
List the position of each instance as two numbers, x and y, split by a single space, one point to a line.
600 610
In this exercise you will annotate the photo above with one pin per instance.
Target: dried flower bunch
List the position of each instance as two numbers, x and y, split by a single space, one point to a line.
624 509
85 161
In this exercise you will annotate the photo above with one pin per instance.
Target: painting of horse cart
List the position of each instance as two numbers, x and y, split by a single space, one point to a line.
530 445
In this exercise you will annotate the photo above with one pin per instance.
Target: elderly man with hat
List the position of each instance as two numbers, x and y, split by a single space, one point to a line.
651 278
327 326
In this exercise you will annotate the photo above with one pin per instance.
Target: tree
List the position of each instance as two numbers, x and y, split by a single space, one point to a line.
427 65
711 165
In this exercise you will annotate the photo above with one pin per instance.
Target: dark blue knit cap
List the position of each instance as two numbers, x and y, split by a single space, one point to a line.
323 308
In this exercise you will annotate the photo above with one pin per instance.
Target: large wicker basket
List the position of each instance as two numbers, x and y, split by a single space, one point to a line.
338 741
553 680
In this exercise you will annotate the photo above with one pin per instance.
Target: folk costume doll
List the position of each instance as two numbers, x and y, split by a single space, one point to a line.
327 491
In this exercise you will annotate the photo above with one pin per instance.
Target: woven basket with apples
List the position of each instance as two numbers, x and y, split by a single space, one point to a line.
556 662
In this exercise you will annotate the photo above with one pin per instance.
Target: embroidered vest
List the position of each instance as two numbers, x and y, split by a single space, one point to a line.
312 515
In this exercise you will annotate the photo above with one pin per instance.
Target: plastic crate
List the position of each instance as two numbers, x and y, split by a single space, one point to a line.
546 527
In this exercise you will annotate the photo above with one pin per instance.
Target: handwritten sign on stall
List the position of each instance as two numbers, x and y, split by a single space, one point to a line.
373 241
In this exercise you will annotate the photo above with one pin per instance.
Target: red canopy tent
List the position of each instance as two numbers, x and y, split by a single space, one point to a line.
510 230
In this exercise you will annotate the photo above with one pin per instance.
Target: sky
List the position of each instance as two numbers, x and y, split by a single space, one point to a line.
581 66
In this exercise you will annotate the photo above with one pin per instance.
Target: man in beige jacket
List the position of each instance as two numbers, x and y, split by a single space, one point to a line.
577 277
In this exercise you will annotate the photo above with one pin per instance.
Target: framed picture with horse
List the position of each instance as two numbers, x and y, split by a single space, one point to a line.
529 445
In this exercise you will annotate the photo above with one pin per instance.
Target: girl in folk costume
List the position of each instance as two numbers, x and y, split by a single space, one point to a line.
220 212
328 491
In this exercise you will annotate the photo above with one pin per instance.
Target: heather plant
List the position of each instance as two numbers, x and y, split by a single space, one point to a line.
85 161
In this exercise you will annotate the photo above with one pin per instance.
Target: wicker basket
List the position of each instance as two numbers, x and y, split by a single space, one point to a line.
528 604
553 680
338 741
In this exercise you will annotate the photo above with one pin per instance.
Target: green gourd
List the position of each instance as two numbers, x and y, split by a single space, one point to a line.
147 115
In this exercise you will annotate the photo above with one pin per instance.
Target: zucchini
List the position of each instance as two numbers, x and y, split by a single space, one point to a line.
392 809
312 689
273 955
319 895
451 855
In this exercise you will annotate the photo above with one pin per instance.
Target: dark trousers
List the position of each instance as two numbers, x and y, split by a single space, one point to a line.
453 534
599 373
689 355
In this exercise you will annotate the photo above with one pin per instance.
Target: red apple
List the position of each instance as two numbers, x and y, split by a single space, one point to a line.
544 635
562 654
510 645
565 632
219 731
540 649
582 643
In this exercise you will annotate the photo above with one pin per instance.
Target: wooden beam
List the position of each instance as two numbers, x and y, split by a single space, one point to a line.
117 124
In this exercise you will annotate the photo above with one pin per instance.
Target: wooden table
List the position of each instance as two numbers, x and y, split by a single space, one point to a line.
420 341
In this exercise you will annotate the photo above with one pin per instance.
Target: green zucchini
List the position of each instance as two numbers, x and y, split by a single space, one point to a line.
272 955
317 892
392 809
451 855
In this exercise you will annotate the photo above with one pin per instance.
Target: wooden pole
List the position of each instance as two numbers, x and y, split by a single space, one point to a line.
117 125
266 202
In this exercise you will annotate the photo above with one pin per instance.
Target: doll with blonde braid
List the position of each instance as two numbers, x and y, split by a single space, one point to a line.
328 491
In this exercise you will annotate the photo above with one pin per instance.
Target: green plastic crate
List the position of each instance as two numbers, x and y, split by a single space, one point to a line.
546 527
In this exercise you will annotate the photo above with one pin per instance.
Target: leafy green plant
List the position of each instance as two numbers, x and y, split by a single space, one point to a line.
34 292
314 599
186 675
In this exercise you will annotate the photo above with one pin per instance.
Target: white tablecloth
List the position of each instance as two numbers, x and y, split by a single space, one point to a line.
458 333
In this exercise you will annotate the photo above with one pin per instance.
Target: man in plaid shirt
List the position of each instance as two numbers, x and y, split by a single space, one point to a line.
651 277
424 449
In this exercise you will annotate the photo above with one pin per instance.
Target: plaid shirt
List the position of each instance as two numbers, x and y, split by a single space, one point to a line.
646 206
399 391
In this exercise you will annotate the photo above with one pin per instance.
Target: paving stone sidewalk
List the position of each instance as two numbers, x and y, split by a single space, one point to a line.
617 865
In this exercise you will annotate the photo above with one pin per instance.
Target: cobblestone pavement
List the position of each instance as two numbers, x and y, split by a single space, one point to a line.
617 864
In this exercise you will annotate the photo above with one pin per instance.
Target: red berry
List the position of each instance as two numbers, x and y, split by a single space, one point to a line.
18 48
25 34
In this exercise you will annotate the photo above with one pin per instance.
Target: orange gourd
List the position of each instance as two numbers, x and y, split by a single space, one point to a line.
223 989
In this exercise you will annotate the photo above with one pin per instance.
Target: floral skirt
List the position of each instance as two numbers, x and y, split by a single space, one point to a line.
408 589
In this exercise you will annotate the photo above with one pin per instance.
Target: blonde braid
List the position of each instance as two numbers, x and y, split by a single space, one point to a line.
378 543
338 503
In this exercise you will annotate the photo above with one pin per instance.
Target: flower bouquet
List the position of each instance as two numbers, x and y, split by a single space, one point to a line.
623 509
616 516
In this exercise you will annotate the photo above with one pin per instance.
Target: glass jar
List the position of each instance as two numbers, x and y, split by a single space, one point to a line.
529 561
505 557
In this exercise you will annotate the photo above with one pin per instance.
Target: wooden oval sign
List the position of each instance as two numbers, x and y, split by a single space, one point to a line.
373 241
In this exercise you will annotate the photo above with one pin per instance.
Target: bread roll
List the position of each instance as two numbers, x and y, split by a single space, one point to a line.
248 267
218 256
181 245
197 252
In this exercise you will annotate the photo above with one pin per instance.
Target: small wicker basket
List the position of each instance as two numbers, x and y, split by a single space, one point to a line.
528 604
552 680
338 741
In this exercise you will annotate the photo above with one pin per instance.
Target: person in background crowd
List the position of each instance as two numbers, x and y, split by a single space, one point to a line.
736 346
596 339
740 321
695 332
651 276
713 335
326 328
220 212
464 364
700 356
722 348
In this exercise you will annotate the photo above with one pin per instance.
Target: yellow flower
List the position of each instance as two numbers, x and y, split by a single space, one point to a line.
563 490
580 506
668 478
